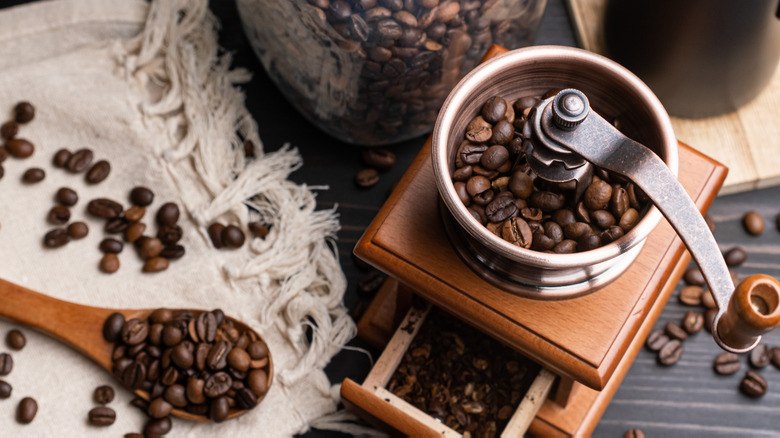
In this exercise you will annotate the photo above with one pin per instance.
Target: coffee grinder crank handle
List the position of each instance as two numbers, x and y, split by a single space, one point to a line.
565 124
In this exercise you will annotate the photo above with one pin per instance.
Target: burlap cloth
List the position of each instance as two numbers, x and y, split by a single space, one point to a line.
145 87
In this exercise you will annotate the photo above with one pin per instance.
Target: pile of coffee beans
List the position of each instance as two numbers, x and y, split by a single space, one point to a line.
408 54
469 382
494 181
28 406
198 362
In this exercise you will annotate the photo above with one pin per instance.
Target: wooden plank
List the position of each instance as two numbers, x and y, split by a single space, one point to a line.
532 402
744 140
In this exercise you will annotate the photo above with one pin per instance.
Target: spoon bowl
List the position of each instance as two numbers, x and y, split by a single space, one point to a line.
81 327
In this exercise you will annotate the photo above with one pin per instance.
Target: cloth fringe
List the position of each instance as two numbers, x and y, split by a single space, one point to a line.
295 268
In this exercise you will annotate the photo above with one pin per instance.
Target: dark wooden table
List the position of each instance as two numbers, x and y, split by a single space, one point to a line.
687 399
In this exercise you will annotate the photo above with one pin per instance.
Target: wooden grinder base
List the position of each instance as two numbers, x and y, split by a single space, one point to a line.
589 341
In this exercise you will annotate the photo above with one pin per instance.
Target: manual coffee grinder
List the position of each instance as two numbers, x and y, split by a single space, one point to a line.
582 316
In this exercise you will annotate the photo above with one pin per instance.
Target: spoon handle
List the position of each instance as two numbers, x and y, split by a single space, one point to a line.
79 326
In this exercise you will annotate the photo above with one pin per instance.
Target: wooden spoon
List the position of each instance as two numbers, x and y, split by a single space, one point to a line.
81 327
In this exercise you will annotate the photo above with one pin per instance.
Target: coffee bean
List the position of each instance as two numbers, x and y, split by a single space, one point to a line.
656 340
135 213
9 129
691 295
547 201
239 359
517 232
257 350
56 238
150 248
176 395
634 433
116 225
707 300
257 381
232 237
245 398
709 318
98 172
567 246
135 231
501 209
217 358
19 147
674 331
366 178
105 208
61 158
215 233
141 196
378 158
494 157
33 175
79 161
5 390
168 214
134 375
759 356
726 363
217 384
597 195
195 390
111 246
753 222
170 234
157 427
67 196
182 356
109 263
101 416
693 276
58 215
134 331
159 408
24 112
753 384
172 252
494 109
670 353
26 410
693 322
774 356
735 256
15 339
112 327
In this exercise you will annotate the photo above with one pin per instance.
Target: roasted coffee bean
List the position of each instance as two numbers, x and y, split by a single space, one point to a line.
170 234
195 390
691 295
634 433
674 331
217 384
98 172
597 195
135 231
735 256
494 157
168 214
628 220
257 350
9 129
257 381
693 322
159 408
116 225
215 233
19 147
182 355
479 131
707 300
134 375
103 395
26 410
517 232
217 358
171 336
366 178
172 252
141 196
61 158
150 248
157 427
656 340
111 246
56 238
239 359
546 201
670 353
759 356
693 276
33 175
134 331
726 363
233 237
206 326
774 356
109 263
602 218
567 246
101 416
576 230
15 339
135 213
258 229
753 222
105 208
176 395
67 196
218 409
79 161
753 384
378 158
245 398
6 363
500 209
5 390
78 230
24 112
709 318
502 132
58 215
495 108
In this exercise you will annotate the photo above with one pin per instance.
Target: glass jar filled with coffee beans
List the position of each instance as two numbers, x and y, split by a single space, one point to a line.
375 72
500 189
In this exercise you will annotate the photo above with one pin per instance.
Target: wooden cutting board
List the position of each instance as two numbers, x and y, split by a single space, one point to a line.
747 141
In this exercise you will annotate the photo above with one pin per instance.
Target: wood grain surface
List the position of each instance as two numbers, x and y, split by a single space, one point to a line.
745 140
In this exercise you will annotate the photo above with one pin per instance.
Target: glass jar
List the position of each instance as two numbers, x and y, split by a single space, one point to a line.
374 72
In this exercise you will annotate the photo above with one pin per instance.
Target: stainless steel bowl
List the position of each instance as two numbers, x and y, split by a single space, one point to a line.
615 93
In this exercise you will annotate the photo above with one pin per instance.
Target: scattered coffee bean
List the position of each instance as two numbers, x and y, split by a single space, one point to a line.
117 225
109 263
157 427
58 215
378 158
98 172
67 196
24 112
366 178
159 408
670 353
674 331
135 231
726 363
141 196
112 246
759 356
232 237
19 147
656 339
78 230
753 384
33 175
150 248
215 233
56 238
634 433
61 158
735 256
691 295
694 277
172 252
753 222
5 390
101 416
168 214
15 339
156 264
135 213
9 129
693 322
104 208
258 229
25 412
79 161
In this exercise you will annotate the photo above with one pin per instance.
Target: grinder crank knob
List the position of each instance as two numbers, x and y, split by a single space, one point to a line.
753 310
